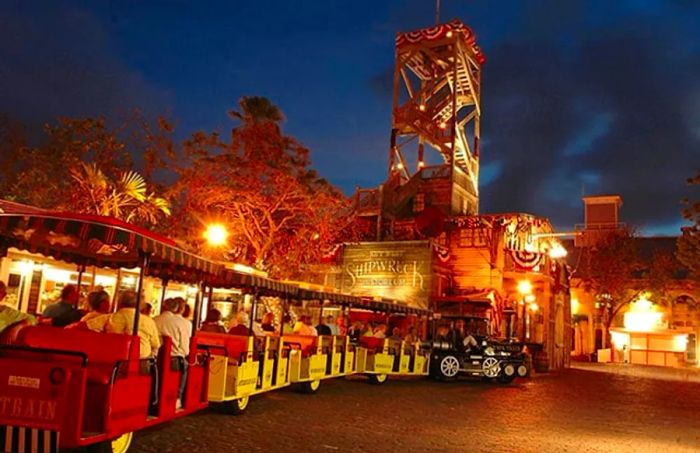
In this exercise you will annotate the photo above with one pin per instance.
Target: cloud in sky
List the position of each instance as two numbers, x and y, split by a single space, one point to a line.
579 96
60 61
593 97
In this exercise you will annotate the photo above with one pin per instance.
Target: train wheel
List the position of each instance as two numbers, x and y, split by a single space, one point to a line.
523 370
491 368
378 378
119 445
448 367
311 386
122 443
239 405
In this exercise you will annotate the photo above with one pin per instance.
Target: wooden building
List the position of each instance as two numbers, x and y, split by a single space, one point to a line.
673 299
424 241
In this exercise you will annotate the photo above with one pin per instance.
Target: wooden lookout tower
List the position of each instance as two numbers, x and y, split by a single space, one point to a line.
434 147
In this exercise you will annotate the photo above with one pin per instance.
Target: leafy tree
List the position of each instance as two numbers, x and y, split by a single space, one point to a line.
83 165
43 173
280 213
613 270
689 241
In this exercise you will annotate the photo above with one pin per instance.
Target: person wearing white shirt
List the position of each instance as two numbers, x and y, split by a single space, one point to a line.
171 324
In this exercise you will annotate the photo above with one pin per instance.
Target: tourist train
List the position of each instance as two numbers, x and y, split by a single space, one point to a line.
71 388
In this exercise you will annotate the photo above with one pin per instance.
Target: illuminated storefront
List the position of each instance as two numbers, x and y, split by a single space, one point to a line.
646 339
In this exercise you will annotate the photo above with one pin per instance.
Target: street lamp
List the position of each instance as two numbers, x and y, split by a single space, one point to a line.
216 234
525 290
524 287
557 251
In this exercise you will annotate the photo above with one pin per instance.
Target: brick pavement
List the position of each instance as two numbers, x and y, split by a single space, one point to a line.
573 411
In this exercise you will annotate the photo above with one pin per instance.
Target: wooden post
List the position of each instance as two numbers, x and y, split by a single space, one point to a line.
139 288
81 270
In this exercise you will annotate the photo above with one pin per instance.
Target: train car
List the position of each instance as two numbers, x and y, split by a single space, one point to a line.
70 388
245 365
379 358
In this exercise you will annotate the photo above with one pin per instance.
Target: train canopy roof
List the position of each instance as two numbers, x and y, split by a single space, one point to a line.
91 240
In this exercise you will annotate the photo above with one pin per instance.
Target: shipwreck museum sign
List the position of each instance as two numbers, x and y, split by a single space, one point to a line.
395 270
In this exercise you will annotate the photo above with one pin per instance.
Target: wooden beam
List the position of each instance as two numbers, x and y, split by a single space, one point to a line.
407 82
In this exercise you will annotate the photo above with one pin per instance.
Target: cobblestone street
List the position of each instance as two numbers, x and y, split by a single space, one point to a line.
576 411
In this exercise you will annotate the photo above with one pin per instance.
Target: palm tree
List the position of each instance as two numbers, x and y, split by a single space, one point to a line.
255 109
126 198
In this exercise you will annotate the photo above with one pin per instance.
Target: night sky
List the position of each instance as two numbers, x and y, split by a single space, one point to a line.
579 96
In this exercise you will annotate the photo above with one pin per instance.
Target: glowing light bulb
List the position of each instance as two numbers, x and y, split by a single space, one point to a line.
216 234
524 287
557 251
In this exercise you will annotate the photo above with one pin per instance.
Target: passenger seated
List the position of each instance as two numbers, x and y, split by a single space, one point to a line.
469 343
213 322
340 325
63 312
396 334
380 331
324 329
147 309
287 326
304 327
443 334
11 320
411 336
242 326
355 331
123 322
332 324
268 321
96 320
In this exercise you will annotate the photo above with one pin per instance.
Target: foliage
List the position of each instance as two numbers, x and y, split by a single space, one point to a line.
82 165
615 273
126 198
280 213
43 172
689 242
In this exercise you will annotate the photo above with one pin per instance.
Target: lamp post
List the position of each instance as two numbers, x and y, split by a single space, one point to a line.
525 290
